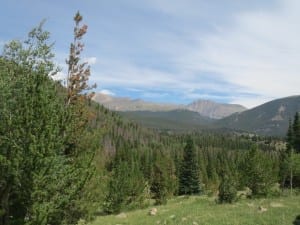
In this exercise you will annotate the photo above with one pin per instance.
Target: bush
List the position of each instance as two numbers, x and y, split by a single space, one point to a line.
227 190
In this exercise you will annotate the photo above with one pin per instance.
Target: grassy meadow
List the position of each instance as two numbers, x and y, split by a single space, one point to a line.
202 210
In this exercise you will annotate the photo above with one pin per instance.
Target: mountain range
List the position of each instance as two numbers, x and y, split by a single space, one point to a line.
269 119
205 108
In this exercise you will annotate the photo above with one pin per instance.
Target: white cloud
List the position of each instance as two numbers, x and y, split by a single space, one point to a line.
259 54
107 92
91 60
251 59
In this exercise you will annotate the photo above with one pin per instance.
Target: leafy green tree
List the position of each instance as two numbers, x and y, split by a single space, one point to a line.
189 181
258 172
39 182
30 122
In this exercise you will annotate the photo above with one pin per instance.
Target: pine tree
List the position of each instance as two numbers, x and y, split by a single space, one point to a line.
258 172
296 133
78 73
189 181
127 188
290 138
227 188
159 185
41 183
289 166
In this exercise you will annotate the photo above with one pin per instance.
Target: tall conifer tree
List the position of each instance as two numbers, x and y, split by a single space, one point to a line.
189 181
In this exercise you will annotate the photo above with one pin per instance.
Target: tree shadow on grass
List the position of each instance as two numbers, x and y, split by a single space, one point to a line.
297 220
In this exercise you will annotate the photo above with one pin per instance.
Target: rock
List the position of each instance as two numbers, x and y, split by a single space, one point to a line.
121 216
262 209
153 212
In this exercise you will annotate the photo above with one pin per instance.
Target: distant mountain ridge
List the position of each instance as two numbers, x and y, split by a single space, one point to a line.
128 104
271 118
205 108
214 110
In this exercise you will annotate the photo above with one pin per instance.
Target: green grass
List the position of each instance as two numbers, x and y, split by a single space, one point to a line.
204 211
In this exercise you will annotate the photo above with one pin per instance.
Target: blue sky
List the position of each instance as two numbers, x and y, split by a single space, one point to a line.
244 52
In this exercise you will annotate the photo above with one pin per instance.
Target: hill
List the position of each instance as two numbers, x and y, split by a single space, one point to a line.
128 104
169 120
270 118
205 108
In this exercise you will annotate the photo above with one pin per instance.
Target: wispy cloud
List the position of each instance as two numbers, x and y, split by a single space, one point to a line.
90 60
245 52
107 92
252 60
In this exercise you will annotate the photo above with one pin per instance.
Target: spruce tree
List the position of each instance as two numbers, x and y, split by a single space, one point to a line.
159 185
296 133
189 181
258 172
227 188
127 188
290 137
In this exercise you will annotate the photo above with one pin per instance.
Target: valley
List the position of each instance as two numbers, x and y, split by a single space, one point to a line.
269 119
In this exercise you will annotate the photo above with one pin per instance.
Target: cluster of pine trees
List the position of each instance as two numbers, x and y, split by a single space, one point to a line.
64 157
45 147
290 166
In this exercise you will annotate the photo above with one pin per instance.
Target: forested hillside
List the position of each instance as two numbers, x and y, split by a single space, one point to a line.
271 118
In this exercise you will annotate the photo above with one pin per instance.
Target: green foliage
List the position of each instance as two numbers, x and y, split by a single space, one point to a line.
189 182
227 188
296 133
127 188
159 185
259 174
290 166
39 184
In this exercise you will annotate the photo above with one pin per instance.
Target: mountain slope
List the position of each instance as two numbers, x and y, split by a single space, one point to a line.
206 108
214 110
173 120
126 104
270 118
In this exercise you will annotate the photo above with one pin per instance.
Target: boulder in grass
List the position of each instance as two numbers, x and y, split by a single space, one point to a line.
121 216
153 212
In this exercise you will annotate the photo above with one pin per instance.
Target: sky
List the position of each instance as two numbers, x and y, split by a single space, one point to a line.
176 51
